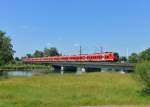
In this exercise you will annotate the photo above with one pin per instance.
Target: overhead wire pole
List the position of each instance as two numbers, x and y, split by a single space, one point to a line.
80 69
127 52
101 48
80 54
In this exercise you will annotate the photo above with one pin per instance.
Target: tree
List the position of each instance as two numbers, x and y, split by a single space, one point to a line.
17 59
51 52
142 72
133 58
145 55
123 58
29 55
6 49
38 53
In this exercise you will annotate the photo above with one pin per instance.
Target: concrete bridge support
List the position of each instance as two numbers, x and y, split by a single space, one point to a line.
52 68
62 70
122 71
56 68
104 70
81 70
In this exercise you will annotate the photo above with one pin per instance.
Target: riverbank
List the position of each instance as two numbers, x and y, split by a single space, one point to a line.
22 67
70 90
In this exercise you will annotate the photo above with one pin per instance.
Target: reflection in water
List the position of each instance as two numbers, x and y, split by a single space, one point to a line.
15 73
19 73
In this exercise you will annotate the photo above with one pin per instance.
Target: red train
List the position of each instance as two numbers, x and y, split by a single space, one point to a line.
106 56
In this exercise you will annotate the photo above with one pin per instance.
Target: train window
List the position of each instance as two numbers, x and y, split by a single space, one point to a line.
106 57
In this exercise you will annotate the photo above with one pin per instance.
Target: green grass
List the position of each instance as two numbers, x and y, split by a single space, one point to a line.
70 90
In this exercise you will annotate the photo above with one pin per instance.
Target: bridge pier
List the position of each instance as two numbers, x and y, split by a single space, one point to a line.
62 70
103 70
122 71
81 70
52 68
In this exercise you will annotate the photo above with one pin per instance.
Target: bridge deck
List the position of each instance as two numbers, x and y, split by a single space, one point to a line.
109 65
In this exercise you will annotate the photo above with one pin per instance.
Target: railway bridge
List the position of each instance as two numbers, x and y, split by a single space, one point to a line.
84 66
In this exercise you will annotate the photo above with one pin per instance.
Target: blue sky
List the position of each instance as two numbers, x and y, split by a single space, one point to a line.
116 25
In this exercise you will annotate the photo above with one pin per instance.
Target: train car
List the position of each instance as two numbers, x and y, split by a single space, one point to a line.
103 57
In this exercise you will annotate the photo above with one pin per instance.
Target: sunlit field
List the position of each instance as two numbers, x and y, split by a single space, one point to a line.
70 90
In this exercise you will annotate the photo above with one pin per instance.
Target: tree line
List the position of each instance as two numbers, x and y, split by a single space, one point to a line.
140 57
45 53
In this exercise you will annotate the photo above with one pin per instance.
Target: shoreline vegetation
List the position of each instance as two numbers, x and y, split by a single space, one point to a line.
22 67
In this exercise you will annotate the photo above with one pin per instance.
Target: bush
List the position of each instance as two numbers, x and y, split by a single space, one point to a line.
142 72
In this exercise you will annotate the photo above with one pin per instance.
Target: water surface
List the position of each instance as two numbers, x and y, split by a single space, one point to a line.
20 73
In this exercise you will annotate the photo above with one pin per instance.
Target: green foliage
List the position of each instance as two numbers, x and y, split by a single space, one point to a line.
145 55
29 55
38 53
6 49
123 58
17 59
143 75
133 58
142 56
51 52
47 52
